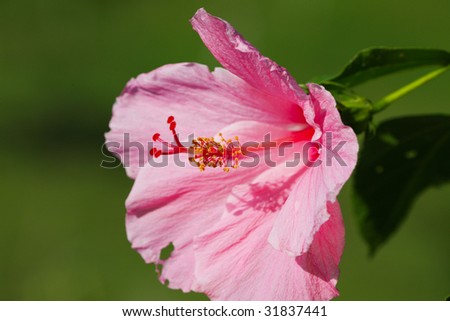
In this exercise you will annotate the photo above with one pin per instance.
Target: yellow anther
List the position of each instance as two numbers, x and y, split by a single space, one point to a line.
208 152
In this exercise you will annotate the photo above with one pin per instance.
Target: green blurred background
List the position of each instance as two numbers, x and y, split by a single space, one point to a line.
62 63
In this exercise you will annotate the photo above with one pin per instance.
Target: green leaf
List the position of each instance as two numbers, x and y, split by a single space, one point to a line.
376 62
355 110
405 157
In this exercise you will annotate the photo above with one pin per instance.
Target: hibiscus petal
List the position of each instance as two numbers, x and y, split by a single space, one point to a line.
242 59
339 142
174 204
305 210
302 214
235 261
190 92
177 205
179 268
324 255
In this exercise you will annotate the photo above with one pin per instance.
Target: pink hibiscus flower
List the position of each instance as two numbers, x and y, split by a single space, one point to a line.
247 232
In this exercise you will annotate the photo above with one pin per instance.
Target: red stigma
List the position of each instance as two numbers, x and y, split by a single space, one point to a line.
172 148
173 125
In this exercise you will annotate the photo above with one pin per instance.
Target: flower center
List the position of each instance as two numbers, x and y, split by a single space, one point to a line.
206 152
203 151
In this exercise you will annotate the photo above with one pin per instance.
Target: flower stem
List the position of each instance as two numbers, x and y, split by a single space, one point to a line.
387 100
